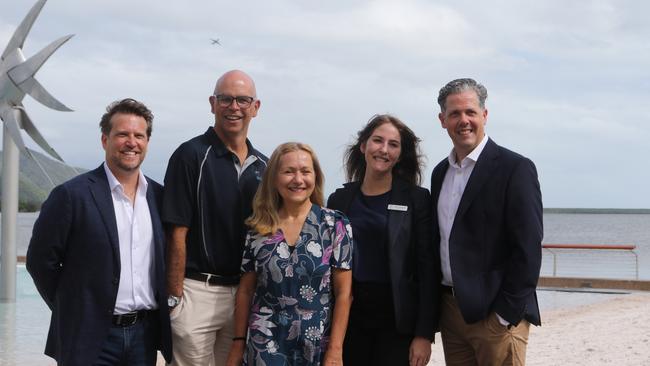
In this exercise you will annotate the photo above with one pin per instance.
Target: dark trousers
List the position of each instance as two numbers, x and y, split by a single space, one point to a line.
371 337
133 345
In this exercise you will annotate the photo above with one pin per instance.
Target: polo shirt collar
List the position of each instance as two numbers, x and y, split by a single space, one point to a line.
221 149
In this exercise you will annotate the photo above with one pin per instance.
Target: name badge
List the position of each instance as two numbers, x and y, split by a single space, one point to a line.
397 207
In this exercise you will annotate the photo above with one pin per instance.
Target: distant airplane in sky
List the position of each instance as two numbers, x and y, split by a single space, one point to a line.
215 41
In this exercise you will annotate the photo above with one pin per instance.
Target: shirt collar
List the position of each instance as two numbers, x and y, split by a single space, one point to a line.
473 156
113 183
221 148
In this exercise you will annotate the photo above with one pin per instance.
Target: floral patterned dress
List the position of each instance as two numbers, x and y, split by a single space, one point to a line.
291 313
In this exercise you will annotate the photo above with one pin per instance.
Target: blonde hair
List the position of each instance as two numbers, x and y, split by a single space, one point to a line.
267 201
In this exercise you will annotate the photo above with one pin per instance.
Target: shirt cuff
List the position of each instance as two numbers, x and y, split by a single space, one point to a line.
502 321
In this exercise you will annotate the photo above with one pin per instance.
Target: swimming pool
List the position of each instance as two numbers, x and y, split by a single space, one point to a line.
23 325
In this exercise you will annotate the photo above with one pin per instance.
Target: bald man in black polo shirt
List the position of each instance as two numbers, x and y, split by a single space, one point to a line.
209 186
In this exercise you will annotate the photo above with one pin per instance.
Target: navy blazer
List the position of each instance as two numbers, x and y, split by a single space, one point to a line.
74 259
412 260
495 245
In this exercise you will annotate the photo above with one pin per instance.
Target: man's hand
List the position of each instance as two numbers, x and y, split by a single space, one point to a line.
419 352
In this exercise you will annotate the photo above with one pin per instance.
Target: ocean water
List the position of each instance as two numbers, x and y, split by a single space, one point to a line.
598 228
559 228
25 223
24 324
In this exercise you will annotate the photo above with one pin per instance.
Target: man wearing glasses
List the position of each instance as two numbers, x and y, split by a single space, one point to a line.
209 187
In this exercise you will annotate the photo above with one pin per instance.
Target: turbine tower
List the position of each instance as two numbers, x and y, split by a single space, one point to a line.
17 80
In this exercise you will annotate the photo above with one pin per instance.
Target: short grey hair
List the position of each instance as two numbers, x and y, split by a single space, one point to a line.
460 85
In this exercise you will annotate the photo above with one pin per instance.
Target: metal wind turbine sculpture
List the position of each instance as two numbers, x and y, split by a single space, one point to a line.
16 80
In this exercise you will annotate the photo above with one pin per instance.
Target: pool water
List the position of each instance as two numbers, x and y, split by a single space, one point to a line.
24 325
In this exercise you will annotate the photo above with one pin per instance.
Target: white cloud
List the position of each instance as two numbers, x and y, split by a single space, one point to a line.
568 82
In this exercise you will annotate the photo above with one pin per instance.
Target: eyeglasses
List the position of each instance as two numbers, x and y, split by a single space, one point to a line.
242 100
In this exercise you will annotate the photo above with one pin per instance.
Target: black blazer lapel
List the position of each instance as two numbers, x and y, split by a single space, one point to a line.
348 193
156 224
101 194
483 170
396 247
436 181
158 233
398 197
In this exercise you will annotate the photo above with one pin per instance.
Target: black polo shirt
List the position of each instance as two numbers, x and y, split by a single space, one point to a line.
204 193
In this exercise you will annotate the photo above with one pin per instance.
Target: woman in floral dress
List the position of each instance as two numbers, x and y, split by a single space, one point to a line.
294 296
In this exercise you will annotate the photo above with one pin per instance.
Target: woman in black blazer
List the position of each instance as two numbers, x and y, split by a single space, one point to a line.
392 319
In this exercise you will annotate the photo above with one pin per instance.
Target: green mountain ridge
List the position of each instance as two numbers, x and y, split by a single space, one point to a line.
33 185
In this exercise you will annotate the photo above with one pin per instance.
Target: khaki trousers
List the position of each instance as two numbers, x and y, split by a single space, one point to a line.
483 343
203 324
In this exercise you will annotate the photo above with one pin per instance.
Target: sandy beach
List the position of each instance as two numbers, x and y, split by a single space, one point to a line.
613 332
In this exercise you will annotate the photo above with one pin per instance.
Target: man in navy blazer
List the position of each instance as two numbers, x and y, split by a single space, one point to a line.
487 210
97 254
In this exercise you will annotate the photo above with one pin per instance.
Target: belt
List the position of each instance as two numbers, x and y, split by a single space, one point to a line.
447 290
128 319
213 279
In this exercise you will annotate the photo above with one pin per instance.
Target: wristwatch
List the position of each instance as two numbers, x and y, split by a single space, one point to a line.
172 301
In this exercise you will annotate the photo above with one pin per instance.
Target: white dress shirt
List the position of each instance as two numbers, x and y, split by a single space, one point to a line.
451 192
135 233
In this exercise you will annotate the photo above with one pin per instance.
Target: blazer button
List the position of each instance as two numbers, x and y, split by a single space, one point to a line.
116 281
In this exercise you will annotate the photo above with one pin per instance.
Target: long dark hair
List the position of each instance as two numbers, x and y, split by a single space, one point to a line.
409 165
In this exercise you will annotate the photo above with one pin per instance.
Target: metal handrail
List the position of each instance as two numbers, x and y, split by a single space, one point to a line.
590 246
626 247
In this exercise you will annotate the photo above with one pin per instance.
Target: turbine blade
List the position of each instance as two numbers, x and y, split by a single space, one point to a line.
43 170
12 119
33 132
18 39
38 92
27 69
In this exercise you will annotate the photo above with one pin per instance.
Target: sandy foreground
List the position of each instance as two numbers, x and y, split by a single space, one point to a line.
612 332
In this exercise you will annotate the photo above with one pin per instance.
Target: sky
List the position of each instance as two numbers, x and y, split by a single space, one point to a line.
568 82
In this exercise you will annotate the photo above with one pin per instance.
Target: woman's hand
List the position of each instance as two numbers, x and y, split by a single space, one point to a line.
333 357
342 282
236 354
419 352
243 298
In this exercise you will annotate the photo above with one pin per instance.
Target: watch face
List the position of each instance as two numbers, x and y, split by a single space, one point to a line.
172 301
